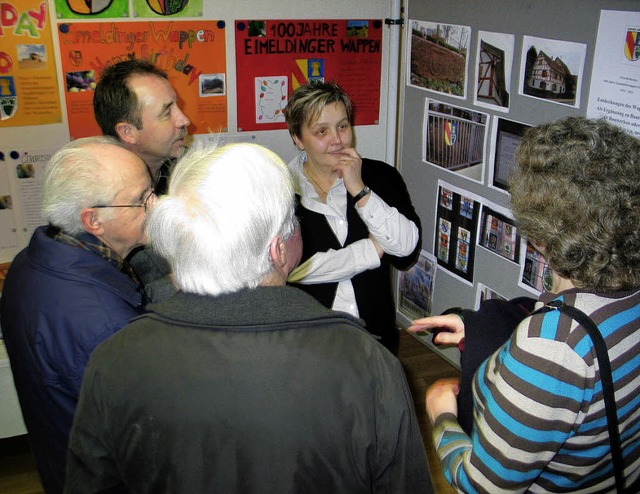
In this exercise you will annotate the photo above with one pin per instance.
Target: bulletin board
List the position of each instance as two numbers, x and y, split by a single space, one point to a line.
191 52
274 57
46 99
473 83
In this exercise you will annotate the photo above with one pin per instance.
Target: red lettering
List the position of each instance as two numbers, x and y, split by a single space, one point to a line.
6 64
8 16
41 16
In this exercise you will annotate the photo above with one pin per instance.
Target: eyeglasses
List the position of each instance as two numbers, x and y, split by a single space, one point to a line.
144 204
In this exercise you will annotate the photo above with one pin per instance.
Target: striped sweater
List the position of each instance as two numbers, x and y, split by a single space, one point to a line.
539 419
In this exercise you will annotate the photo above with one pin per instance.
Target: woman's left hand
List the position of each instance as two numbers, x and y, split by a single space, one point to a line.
441 397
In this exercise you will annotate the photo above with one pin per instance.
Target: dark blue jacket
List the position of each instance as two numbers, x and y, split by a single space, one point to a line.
58 303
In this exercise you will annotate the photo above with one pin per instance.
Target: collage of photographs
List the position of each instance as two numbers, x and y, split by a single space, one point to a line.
478 142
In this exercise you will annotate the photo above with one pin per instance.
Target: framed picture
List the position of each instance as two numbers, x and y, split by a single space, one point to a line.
508 135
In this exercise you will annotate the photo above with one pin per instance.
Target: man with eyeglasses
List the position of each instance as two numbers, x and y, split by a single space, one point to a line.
70 288
240 383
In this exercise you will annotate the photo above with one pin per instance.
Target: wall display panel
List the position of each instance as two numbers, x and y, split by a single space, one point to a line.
503 33
274 57
208 97
25 146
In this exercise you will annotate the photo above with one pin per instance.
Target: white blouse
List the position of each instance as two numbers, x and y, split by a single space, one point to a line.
395 234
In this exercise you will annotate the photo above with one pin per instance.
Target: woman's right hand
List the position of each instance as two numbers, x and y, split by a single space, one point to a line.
452 324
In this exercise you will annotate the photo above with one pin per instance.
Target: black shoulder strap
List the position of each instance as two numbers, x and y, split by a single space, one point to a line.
602 355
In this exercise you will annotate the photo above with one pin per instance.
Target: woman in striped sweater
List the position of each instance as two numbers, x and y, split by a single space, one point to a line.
539 422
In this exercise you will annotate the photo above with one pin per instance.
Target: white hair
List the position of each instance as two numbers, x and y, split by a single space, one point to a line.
73 182
224 207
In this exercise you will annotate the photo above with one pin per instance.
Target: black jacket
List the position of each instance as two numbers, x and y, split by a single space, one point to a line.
262 391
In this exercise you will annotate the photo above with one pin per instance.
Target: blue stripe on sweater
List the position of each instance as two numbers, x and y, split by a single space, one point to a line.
497 468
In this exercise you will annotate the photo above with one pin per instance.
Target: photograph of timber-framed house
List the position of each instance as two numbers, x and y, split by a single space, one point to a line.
552 70
491 75
549 75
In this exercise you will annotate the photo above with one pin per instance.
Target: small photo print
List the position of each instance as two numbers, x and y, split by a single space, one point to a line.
32 56
446 199
257 29
466 207
357 29
494 60
25 170
536 273
212 85
415 287
454 139
6 202
444 229
551 70
438 57
462 257
78 82
500 234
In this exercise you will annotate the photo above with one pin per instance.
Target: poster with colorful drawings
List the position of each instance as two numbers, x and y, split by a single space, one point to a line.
28 81
164 8
84 9
274 57
457 216
191 52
